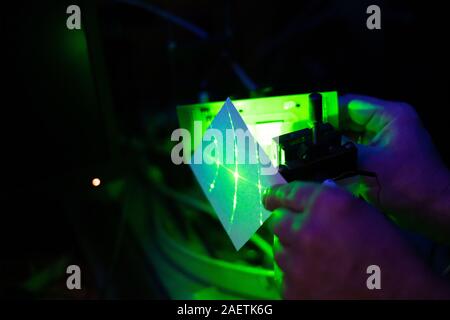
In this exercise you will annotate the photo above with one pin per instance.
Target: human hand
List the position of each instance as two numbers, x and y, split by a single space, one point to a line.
328 239
394 144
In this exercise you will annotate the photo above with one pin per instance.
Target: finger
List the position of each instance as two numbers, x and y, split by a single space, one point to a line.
283 221
293 196
362 114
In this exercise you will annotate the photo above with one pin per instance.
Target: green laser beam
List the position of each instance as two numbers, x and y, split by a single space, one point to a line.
259 187
236 170
213 183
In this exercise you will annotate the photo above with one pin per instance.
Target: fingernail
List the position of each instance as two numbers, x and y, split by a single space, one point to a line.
329 183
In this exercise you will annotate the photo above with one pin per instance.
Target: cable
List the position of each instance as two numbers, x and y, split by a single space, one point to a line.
199 32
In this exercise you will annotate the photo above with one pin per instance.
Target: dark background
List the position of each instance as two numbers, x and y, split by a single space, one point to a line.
101 102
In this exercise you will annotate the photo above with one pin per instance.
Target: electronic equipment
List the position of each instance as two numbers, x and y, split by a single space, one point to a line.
266 118
316 153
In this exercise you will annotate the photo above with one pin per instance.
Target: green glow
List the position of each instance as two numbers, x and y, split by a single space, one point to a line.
213 183
236 170
266 132
265 117
259 188
43 278
75 48
233 188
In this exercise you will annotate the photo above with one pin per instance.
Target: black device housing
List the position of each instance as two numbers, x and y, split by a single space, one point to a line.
316 154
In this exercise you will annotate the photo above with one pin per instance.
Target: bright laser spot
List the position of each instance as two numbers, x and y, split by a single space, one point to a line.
96 182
